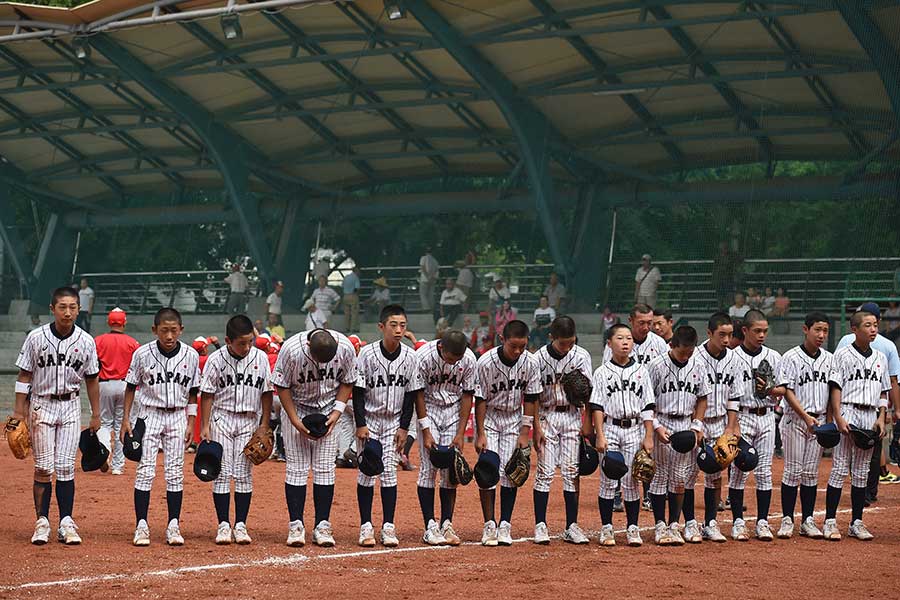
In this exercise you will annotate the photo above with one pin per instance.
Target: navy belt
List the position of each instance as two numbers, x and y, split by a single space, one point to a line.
625 423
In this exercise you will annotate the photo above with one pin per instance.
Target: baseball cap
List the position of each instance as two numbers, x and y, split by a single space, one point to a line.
117 317
263 341
199 343
871 307
645 257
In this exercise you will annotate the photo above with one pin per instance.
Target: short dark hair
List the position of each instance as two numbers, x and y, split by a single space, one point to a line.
856 318
391 310
612 330
753 316
237 326
738 329
816 317
454 342
641 308
166 314
62 292
684 336
322 345
659 312
515 329
717 319
562 327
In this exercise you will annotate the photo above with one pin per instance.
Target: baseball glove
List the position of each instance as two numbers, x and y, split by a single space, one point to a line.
725 449
577 388
460 472
259 448
763 379
519 466
17 436
643 468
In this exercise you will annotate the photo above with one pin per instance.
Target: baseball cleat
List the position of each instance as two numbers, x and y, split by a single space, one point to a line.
786 531
389 536
297 535
574 535
763 531
830 531
141 534
432 535
661 535
367 535
645 505
739 531
449 534
888 478
41 532
68 532
223 534
541 535
489 535
675 532
809 529
607 536
173 534
859 531
692 532
633 536
504 534
712 532
117 471
323 535
240 534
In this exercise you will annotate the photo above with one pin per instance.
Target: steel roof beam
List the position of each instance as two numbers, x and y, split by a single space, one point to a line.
881 51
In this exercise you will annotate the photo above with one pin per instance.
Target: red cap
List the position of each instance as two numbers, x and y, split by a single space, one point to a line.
419 344
263 341
200 343
357 343
483 314
116 317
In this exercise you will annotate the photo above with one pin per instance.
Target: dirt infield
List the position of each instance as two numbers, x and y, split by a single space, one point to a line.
107 565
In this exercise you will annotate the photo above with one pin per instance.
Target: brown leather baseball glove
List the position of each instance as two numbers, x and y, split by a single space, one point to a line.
17 436
259 448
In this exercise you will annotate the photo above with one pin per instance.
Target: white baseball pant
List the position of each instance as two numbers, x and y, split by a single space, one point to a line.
501 429
383 428
712 429
562 431
233 430
55 428
304 454
164 429
112 411
673 469
444 423
759 431
345 431
848 459
802 452
628 442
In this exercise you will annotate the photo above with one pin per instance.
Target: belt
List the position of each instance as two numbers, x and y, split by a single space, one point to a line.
760 412
626 423
863 406
564 408
814 415
69 396
674 416
716 418
168 410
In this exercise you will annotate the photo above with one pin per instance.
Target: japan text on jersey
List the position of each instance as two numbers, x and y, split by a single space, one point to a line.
445 383
504 385
807 377
677 386
164 380
386 377
721 377
747 362
237 384
622 392
553 366
313 383
862 377
58 364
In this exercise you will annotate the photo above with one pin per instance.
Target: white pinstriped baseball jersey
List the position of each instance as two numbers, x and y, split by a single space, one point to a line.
807 377
622 392
722 378
746 363
445 383
164 380
553 367
503 386
387 380
677 386
57 364
311 383
325 299
237 384
863 378
643 352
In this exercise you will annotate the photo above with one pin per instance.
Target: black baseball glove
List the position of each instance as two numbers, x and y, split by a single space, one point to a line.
577 388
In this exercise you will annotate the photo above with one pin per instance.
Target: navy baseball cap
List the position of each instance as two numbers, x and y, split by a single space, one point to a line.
93 453
827 435
134 442
871 307
588 459
208 460
747 458
487 469
370 461
441 457
706 460
613 465
316 424
683 441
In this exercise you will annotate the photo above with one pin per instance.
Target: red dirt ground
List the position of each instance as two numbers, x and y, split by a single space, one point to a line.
111 567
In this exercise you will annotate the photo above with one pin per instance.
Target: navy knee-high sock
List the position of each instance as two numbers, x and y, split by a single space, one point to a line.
242 506
606 510
448 503
763 501
507 503
658 502
832 499
426 503
364 497
540 506
323 497
65 497
857 500
388 503
807 500
687 505
710 504
296 501
788 500
736 497
141 505
42 492
571 500
173 503
632 510
222 502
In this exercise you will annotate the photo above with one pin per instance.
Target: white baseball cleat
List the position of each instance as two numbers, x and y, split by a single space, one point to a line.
786 531
432 535
389 536
173 534
692 532
739 531
809 529
323 535
240 534
712 532
223 534
633 536
41 532
763 531
830 531
661 534
67 533
449 534
541 535
118 472
859 531
504 534
607 536
367 535
675 532
297 535
141 534
489 534
574 535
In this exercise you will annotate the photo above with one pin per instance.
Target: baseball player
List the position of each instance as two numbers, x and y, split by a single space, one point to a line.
165 376
314 374
753 418
447 368
662 324
53 362
557 432
346 426
646 345
859 383
680 387
325 300
384 396
723 380
508 385
804 375
114 352
235 395
622 407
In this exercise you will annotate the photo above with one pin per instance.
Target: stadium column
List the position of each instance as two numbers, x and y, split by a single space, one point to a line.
229 150
293 251
53 265
13 242
590 248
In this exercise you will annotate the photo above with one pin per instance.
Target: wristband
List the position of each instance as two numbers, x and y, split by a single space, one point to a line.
697 425
527 421
192 410
23 388
339 406
646 415
424 423
656 424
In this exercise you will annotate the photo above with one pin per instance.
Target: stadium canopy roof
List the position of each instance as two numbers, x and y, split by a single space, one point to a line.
303 99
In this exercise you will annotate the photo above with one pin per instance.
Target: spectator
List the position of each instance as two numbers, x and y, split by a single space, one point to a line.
465 280
505 314
768 302
452 301
467 328
890 321
237 296
325 299
646 282
482 339
782 304
428 274
273 302
85 306
259 327
737 338
723 274
322 268
740 308
555 292
754 300
662 324
608 318
498 294
350 287
381 296
440 328
275 326
540 329
35 322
